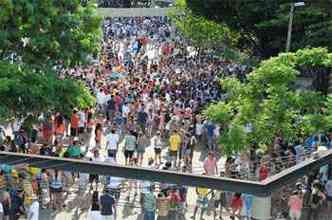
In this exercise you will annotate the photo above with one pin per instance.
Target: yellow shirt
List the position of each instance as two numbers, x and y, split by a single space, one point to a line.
202 192
174 142
34 170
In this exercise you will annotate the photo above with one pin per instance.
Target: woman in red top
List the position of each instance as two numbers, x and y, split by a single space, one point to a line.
236 205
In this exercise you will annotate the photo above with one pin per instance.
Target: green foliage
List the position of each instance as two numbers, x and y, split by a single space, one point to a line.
234 139
263 24
24 91
270 105
41 34
203 33
48 32
219 112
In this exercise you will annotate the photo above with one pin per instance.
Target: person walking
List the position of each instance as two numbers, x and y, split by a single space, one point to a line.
130 146
163 206
236 205
210 165
295 204
94 212
33 211
56 189
174 146
107 205
157 145
112 142
247 209
149 204
142 144
201 202
317 198
328 189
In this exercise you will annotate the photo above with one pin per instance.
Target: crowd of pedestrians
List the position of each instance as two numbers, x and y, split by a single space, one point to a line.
150 87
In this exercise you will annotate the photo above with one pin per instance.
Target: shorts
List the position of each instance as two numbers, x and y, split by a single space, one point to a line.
93 177
89 130
55 190
129 154
203 202
73 132
111 153
295 214
107 217
219 203
173 153
140 149
157 151
81 130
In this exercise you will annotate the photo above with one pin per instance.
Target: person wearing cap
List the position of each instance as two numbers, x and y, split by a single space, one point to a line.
107 205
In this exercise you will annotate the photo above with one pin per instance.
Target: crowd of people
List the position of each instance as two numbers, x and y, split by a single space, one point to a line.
150 87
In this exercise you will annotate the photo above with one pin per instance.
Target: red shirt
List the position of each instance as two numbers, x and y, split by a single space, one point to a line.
263 173
74 121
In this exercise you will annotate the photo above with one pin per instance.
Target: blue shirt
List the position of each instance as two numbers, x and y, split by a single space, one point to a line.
210 129
248 200
107 202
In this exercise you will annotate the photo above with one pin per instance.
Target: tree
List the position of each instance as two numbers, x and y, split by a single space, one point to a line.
24 90
202 33
36 36
263 24
268 105
48 32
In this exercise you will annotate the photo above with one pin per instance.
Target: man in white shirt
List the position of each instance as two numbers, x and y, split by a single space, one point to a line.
33 212
112 141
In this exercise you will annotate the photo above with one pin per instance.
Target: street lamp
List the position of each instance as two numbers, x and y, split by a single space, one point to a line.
290 24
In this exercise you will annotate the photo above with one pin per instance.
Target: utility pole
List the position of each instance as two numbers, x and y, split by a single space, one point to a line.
290 27
290 24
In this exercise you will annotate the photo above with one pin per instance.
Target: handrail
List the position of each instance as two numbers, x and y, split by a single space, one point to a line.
263 188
